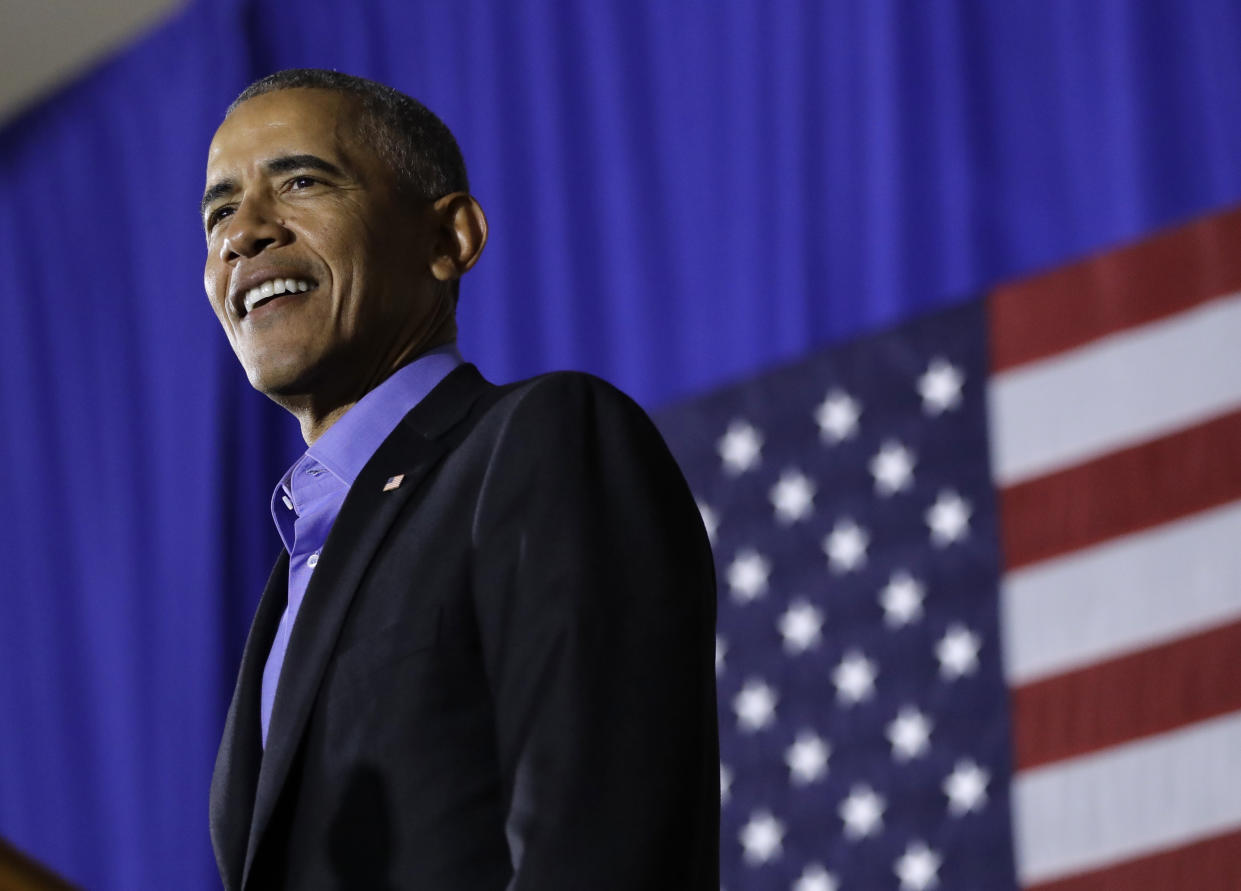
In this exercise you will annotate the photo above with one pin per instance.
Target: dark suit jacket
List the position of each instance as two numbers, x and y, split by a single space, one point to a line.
502 675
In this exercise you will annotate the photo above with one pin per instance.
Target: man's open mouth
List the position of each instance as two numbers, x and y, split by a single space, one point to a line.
272 288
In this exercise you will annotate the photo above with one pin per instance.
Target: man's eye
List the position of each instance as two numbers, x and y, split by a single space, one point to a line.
302 182
218 214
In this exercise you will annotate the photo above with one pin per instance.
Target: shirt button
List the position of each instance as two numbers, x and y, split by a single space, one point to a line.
313 560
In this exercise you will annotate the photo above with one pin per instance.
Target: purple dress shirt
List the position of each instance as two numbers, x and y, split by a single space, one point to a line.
308 498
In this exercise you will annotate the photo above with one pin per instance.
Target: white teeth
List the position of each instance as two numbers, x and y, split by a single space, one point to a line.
273 288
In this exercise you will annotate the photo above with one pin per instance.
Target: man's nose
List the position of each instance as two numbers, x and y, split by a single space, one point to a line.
254 228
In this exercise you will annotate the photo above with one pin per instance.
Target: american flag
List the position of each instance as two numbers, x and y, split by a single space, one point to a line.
980 589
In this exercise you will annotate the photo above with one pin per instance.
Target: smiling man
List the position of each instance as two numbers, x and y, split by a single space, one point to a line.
484 658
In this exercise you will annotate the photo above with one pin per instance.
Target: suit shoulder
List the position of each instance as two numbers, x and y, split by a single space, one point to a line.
568 393
564 408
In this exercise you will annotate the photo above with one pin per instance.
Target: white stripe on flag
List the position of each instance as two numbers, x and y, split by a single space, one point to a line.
1129 800
1123 389
1137 591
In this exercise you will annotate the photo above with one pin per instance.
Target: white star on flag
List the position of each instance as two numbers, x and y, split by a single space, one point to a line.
917 867
807 758
909 733
801 626
854 678
901 599
755 705
792 497
740 448
815 878
762 838
892 467
957 652
862 812
837 416
966 788
940 387
949 518
845 546
747 575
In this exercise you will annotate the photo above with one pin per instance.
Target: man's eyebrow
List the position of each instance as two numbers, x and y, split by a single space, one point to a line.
219 190
282 164
289 163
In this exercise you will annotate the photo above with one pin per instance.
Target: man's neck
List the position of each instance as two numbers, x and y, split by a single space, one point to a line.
317 412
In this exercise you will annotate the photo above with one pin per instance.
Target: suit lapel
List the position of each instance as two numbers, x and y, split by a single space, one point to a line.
237 764
370 508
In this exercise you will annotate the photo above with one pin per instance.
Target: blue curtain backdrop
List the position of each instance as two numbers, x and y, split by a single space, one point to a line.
680 193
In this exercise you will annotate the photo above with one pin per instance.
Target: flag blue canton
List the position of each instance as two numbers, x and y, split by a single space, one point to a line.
864 726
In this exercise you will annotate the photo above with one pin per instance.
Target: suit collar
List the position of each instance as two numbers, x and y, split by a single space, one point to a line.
411 452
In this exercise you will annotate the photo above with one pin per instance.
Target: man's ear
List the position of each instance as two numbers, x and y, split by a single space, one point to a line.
461 232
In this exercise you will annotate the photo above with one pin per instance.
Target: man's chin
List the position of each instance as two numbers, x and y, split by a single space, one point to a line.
280 383
295 386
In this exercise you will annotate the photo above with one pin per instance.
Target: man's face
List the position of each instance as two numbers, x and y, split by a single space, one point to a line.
315 268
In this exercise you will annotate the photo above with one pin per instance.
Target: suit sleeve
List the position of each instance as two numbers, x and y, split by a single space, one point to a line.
595 593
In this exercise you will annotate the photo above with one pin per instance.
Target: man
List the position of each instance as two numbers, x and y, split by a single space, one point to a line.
485 658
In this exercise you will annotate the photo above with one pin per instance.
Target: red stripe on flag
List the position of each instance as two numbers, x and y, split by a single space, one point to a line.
1128 490
1213 864
1148 692
1153 279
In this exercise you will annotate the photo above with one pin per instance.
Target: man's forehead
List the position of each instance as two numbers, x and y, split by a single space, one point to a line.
282 122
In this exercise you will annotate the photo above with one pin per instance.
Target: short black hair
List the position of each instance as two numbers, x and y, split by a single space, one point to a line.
420 148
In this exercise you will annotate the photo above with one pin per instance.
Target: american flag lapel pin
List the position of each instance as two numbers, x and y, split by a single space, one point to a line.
394 482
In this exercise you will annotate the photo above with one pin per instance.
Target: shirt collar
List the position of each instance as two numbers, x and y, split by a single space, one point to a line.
349 443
